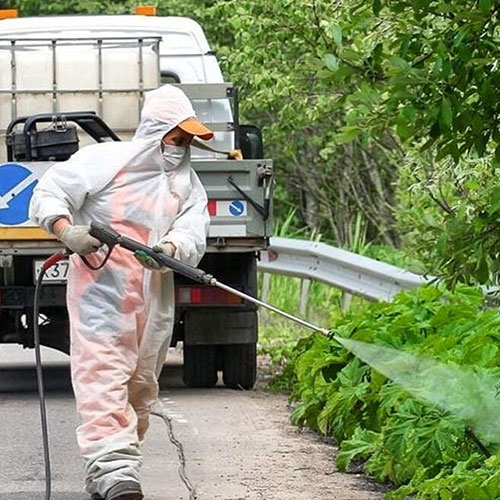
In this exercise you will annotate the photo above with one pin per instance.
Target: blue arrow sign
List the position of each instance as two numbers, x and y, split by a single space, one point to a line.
236 208
16 189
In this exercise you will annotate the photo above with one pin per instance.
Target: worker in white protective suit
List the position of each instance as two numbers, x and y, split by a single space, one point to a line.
122 315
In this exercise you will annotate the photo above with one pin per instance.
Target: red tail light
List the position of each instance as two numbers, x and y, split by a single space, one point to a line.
205 295
212 208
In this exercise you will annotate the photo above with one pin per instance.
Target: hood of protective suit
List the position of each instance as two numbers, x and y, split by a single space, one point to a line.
164 108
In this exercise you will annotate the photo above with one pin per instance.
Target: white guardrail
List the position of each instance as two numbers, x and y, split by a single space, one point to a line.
347 271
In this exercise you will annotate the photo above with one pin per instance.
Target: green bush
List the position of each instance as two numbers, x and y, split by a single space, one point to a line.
426 451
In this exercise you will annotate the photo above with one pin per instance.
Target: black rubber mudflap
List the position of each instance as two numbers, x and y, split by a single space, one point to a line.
200 368
240 365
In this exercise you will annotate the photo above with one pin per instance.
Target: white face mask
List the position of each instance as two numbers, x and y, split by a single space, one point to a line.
173 156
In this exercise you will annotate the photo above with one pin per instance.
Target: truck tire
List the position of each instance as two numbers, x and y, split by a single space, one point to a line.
239 365
200 369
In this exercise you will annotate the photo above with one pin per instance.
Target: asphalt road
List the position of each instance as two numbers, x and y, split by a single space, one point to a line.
238 445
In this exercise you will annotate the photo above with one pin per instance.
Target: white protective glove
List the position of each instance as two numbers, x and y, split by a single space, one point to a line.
151 264
78 239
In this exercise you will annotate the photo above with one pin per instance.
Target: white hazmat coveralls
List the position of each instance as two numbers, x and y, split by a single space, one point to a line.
122 316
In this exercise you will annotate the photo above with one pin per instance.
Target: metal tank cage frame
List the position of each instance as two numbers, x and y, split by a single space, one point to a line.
195 91
24 44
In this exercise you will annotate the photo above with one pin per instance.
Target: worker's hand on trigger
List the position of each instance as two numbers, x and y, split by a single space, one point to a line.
151 264
78 239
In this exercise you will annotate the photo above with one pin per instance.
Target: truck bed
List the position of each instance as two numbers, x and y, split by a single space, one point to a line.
236 224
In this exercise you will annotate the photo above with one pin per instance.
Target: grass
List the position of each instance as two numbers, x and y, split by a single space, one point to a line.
278 335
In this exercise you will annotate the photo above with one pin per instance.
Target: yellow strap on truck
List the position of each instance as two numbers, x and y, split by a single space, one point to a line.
24 233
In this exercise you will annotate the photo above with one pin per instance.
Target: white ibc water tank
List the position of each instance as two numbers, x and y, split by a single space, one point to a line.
85 75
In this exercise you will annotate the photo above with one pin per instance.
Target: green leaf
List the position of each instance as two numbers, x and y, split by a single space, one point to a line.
482 271
348 134
488 95
461 34
331 62
377 7
494 201
401 64
361 445
435 130
446 112
336 33
485 5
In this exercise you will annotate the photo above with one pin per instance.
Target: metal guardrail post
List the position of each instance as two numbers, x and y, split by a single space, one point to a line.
266 287
304 297
346 300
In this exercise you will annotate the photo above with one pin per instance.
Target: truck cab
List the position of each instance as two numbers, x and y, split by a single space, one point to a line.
69 81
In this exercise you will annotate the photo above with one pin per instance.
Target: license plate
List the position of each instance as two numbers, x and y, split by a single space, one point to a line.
58 273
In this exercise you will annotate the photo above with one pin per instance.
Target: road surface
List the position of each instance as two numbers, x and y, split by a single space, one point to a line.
238 445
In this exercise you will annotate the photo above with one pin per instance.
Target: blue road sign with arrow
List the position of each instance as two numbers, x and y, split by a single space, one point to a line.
237 208
16 189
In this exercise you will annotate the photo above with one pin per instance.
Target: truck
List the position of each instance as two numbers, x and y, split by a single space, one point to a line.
68 81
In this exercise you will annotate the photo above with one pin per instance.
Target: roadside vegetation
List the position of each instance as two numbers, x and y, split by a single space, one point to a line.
430 452
383 121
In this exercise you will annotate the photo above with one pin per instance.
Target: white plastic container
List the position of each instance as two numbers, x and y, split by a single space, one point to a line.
78 76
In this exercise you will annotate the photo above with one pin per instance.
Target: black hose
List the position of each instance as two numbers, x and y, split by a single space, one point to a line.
41 393
180 453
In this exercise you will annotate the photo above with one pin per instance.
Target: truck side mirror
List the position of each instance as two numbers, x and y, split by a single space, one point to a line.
251 144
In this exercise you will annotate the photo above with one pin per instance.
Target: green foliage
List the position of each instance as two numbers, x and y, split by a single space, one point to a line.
450 217
429 69
426 451
43 7
428 72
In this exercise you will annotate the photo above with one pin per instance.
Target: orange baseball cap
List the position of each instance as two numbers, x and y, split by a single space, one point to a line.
194 127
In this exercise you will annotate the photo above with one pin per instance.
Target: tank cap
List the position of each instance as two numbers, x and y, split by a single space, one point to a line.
8 13
145 10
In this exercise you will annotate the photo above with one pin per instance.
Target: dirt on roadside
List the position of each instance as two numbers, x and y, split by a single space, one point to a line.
302 466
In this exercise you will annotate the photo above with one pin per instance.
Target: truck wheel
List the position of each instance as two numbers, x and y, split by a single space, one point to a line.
200 369
240 365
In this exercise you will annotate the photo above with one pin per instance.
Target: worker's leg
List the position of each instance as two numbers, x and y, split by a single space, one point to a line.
153 347
143 387
104 352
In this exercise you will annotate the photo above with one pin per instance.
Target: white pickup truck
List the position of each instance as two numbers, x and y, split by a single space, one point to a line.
67 81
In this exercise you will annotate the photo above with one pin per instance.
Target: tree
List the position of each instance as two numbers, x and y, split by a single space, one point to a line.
433 70
280 55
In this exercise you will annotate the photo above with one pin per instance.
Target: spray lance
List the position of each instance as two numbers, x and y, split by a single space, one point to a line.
111 238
